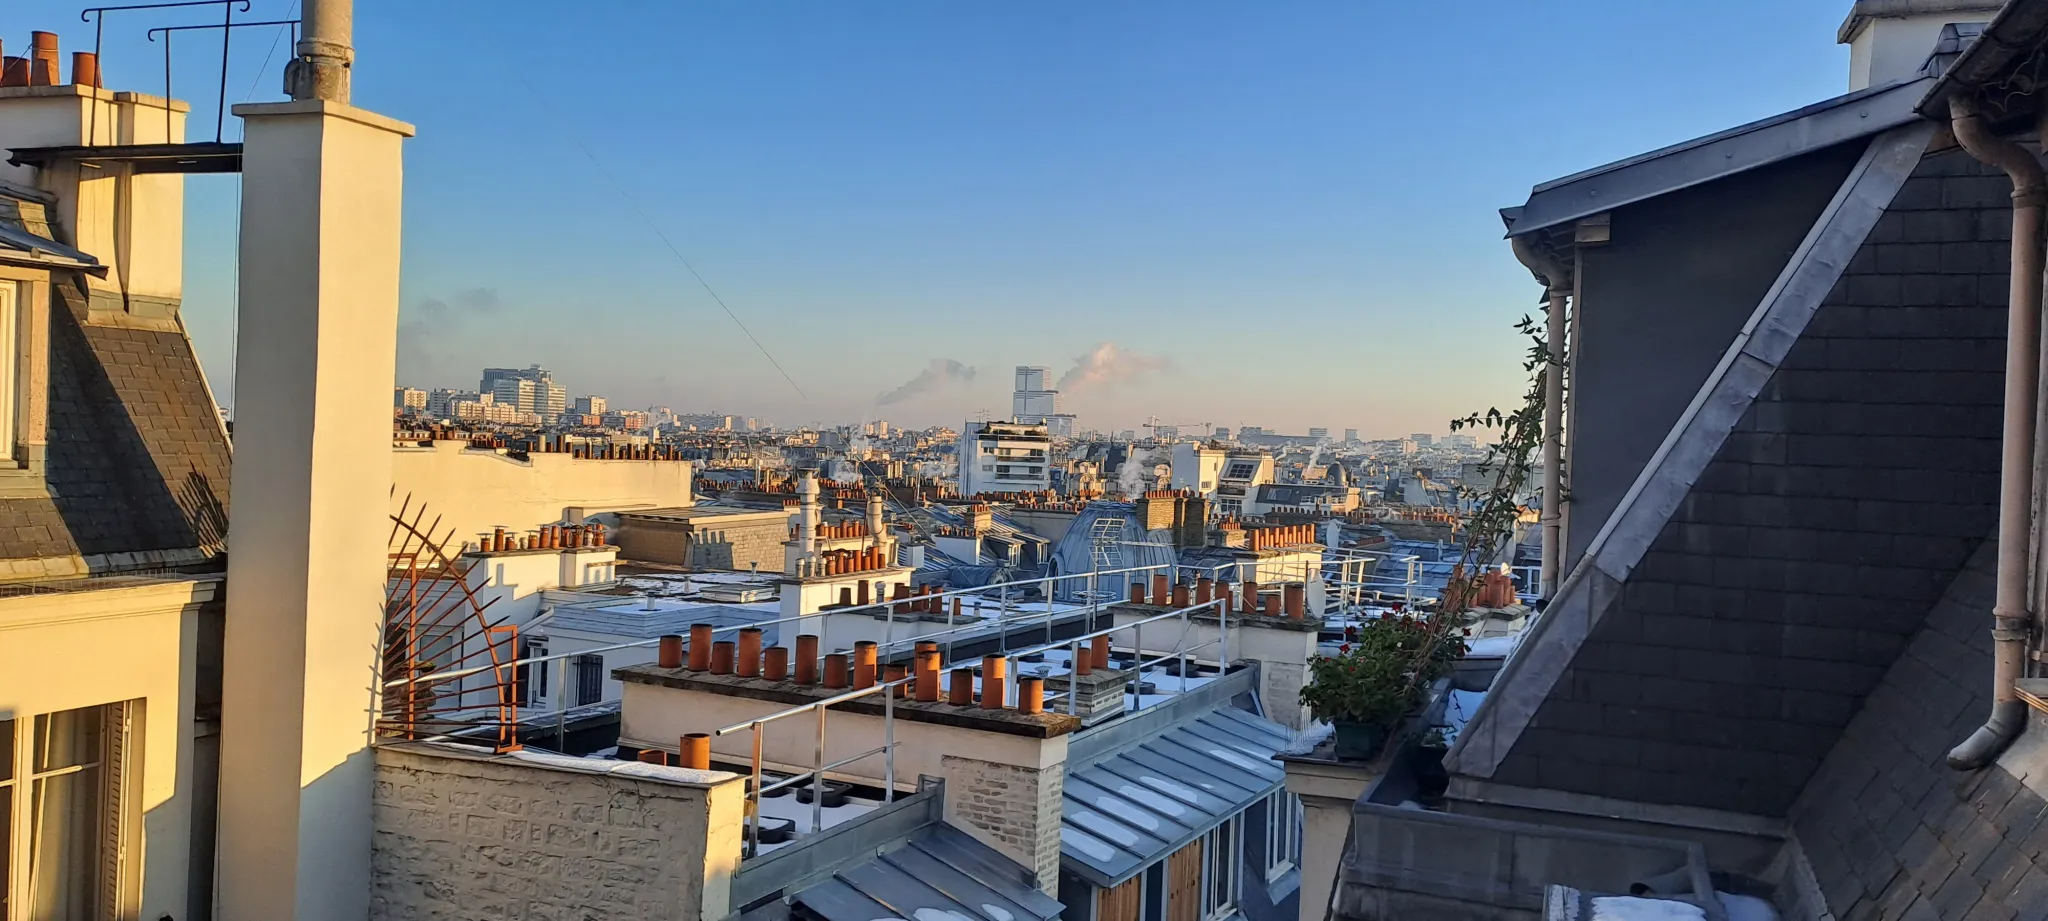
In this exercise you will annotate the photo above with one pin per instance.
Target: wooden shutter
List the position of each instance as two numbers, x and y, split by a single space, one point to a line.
1124 903
119 757
1184 883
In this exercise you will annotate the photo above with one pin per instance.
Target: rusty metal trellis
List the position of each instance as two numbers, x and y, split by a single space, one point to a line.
434 626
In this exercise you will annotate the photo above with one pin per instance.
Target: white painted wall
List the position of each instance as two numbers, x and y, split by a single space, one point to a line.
133 224
321 207
1893 47
1196 468
474 490
84 649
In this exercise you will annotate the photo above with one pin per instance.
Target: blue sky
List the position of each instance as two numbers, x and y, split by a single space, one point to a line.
1280 213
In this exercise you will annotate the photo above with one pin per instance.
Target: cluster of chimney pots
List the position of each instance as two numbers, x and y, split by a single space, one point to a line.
39 66
922 681
1292 602
906 598
846 562
1271 536
552 537
608 451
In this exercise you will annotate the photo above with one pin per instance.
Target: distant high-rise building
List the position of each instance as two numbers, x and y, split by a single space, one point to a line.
1461 441
707 422
1408 446
440 403
1036 403
516 392
551 400
409 400
1350 434
489 382
591 405
1250 430
1004 457
1222 434
1318 433
546 399
1422 439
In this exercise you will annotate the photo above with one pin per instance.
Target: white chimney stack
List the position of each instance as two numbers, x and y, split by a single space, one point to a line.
1890 40
807 515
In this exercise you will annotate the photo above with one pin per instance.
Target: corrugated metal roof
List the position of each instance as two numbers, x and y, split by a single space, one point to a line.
629 618
938 874
1133 807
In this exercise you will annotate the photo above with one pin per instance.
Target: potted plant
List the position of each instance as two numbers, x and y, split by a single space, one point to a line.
1430 777
1377 677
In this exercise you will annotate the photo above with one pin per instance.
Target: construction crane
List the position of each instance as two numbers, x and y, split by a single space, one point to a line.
1153 423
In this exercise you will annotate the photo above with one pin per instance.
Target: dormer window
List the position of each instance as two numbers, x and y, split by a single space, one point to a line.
31 260
11 364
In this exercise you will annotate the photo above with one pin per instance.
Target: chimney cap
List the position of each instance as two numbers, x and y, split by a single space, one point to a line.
1863 12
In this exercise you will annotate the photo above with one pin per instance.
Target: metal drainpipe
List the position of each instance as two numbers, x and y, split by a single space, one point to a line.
1559 286
2009 615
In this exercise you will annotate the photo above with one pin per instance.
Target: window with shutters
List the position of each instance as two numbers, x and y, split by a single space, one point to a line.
1220 876
1283 834
24 375
68 812
532 677
589 680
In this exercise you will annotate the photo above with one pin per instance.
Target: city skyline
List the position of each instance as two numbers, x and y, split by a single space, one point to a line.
575 399
1181 186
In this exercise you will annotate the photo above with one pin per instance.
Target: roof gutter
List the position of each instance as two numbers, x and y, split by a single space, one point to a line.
2016 32
2009 616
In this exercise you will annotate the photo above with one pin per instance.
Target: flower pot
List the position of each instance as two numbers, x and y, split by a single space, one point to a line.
1430 777
1359 741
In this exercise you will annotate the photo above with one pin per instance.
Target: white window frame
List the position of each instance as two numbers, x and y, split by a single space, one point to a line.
1222 852
1283 834
13 362
120 730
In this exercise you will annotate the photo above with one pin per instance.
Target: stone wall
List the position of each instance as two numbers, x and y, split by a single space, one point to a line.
740 545
1015 810
709 543
463 834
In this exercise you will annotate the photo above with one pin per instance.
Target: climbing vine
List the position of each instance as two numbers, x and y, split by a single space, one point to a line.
1383 666
1495 512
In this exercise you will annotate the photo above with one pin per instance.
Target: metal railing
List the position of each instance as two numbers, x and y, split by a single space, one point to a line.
1007 688
816 775
1136 628
1013 609
1004 599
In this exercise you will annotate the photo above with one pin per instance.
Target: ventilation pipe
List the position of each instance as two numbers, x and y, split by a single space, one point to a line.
326 51
807 515
1559 286
2016 466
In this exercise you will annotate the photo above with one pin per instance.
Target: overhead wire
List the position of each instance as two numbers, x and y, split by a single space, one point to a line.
235 312
620 190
